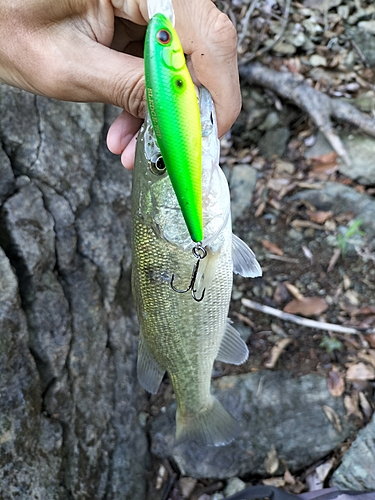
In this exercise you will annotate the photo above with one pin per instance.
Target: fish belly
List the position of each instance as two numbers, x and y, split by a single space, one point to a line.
180 335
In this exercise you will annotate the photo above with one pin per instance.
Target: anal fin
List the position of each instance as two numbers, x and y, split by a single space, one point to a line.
232 348
149 372
244 260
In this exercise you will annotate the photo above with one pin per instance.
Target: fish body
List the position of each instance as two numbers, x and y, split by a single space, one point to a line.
178 334
173 108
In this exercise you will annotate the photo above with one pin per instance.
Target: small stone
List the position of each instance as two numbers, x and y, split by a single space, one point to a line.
235 485
317 60
242 184
368 26
187 484
284 166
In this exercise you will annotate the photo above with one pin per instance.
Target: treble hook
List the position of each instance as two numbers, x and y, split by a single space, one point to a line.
199 253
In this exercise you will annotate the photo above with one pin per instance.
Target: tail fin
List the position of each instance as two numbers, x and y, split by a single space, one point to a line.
212 426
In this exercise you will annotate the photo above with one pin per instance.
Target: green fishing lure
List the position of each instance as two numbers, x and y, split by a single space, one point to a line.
174 112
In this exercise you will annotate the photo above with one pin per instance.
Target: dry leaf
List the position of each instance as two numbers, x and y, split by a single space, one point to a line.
300 223
271 247
333 417
277 482
335 383
308 306
351 405
319 216
294 291
276 351
281 294
335 257
271 462
325 164
365 405
360 371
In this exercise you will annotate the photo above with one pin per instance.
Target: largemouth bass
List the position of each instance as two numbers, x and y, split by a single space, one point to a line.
174 112
178 334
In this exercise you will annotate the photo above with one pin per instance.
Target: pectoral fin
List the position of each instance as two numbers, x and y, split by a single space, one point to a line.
244 260
150 373
232 348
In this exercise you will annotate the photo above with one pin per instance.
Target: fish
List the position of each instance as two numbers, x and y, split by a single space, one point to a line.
178 334
173 107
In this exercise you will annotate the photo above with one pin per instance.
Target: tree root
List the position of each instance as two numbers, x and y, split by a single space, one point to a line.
319 106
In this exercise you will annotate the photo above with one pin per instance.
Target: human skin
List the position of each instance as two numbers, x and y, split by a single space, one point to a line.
91 51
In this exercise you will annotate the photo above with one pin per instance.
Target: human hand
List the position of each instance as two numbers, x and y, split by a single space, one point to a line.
90 51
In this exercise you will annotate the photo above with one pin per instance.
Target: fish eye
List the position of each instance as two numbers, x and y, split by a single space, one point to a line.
156 164
163 36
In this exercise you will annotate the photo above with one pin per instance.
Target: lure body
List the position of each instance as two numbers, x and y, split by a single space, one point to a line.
174 112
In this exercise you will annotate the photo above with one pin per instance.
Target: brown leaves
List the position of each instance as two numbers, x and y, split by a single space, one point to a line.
360 371
307 306
271 247
335 383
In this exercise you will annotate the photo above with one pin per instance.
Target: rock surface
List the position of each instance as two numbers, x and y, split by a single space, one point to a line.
356 471
276 411
68 336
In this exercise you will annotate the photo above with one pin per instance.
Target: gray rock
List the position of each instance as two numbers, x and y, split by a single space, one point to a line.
68 335
360 149
242 183
274 142
341 199
356 471
275 409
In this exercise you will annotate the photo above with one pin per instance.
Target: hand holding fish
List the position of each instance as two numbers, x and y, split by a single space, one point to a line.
90 51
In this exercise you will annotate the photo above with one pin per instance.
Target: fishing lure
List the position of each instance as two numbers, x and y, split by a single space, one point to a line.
174 112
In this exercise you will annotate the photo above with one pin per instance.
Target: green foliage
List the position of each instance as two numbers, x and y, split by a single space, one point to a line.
330 344
343 240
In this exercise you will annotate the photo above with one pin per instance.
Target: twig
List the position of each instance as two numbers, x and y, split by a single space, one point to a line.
319 106
245 22
310 323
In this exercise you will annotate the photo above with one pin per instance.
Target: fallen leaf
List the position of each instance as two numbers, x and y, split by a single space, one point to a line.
277 482
319 216
271 462
360 371
351 405
294 291
367 310
325 164
365 405
335 257
271 247
308 306
281 294
333 417
300 223
335 383
276 351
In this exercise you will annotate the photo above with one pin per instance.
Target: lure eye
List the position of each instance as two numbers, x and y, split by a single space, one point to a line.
156 164
163 36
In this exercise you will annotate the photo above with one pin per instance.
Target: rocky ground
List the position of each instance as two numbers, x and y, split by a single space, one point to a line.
303 198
